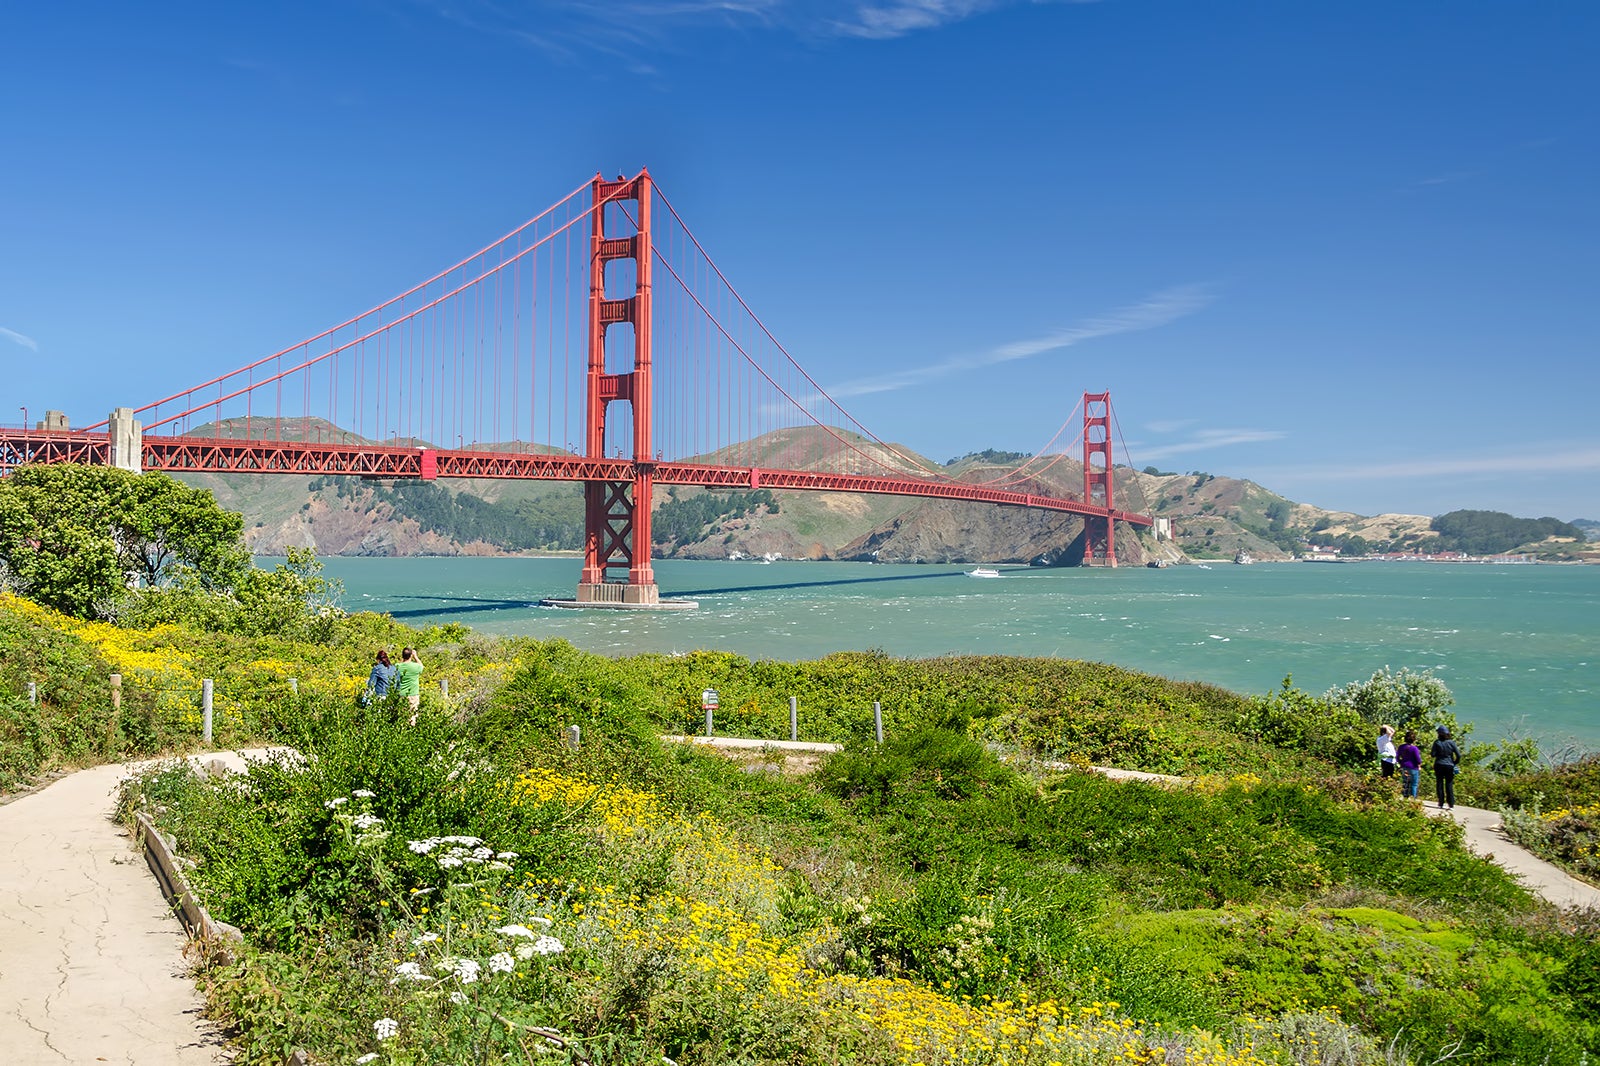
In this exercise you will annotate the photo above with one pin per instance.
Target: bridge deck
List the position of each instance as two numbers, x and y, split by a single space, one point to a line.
196 455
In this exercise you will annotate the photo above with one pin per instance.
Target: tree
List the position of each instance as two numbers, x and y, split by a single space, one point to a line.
1405 699
77 538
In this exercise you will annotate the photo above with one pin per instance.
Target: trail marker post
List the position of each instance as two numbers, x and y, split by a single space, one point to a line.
877 720
205 707
794 718
708 703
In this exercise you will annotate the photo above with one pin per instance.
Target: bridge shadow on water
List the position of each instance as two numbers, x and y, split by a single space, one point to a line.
469 605
453 605
823 584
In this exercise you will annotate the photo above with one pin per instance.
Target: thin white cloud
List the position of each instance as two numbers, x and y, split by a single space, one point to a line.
1448 179
1582 459
1208 439
1171 426
19 338
1166 306
568 28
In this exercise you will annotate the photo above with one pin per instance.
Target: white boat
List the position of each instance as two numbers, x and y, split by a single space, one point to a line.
983 571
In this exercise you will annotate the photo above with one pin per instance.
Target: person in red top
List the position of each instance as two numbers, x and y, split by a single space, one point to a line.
1410 758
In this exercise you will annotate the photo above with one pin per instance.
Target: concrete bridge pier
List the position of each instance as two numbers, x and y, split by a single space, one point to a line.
127 440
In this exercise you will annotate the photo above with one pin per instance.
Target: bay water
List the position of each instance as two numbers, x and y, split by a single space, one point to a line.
1519 645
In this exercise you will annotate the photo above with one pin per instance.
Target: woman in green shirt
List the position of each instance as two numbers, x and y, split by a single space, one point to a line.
408 680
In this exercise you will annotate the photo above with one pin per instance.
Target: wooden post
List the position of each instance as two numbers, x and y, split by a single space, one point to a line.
116 692
877 720
205 707
294 685
794 718
571 737
444 687
33 693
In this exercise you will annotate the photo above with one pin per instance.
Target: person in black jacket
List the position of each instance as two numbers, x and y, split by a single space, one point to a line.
1446 757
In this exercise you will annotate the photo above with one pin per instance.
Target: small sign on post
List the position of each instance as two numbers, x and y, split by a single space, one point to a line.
708 703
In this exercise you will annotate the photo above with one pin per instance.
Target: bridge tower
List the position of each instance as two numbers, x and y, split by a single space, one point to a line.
1097 486
616 537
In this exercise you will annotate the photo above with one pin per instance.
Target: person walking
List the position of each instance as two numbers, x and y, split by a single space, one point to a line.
1446 757
408 680
1409 757
381 678
1386 752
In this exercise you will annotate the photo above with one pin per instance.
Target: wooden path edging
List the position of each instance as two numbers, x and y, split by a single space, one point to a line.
190 911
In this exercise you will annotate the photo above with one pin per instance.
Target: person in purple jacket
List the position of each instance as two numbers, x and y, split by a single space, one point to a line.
1410 759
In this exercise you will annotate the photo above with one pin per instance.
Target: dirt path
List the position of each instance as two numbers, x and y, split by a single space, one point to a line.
91 958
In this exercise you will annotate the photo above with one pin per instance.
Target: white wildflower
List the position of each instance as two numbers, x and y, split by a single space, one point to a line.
515 930
542 920
467 971
422 847
336 802
447 862
525 951
483 853
407 971
424 938
509 856
458 998
386 1028
549 945
363 793
371 1056
366 821
501 963
502 866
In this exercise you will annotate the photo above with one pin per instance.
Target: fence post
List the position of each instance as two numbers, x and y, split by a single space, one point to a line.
205 707
571 737
877 720
444 687
294 685
33 693
116 692
709 712
794 718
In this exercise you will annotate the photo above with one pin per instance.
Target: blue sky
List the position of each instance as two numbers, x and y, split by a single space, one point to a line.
1348 250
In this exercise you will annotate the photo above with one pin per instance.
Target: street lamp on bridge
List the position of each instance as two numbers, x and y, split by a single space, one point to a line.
24 411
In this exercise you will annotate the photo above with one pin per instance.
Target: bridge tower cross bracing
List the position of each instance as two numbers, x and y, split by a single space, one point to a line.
616 538
1097 478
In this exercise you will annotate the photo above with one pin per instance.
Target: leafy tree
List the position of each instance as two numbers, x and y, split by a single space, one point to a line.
77 538
1405 699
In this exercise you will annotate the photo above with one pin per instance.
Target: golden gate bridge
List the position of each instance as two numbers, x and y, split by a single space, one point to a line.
682 384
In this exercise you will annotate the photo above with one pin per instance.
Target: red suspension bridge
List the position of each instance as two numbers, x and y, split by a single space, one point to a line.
682 384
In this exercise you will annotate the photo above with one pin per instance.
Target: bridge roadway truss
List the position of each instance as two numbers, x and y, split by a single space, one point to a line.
211 455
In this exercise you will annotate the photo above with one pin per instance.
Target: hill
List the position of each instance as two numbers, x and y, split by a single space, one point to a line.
1212 516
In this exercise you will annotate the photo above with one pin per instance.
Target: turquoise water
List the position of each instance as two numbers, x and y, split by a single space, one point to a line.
1518 645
